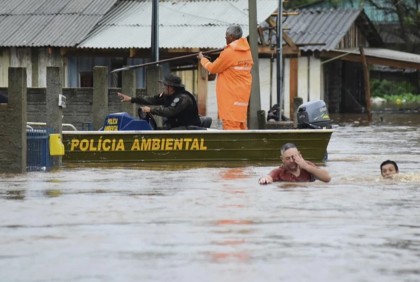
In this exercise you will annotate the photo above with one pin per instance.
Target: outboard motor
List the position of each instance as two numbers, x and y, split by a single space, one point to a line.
313 114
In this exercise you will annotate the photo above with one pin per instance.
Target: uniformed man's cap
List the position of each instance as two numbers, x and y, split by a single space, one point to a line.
172 80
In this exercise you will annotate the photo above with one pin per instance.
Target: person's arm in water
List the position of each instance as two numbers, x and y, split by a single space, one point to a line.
265 180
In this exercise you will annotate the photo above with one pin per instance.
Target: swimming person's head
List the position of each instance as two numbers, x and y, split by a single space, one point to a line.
389 169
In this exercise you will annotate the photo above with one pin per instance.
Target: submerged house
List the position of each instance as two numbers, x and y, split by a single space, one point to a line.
78 35
329 55
321 48
388 18
41 33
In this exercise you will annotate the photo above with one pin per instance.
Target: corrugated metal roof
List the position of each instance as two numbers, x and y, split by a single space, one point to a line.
182 23
40 23
327 27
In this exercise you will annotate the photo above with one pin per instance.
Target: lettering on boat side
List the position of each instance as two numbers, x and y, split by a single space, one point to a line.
138 144
111 128
112 121
111 124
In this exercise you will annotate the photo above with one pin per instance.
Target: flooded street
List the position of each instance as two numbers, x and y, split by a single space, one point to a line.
216 223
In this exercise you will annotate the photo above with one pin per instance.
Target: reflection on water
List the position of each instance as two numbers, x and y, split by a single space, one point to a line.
193 222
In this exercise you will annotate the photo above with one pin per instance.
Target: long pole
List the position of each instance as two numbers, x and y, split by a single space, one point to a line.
279 57
165 60
271 81
155 30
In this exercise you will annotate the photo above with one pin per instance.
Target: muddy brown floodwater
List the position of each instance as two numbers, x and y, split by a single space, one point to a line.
215 223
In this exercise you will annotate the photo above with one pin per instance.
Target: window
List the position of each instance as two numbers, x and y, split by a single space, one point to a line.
86 79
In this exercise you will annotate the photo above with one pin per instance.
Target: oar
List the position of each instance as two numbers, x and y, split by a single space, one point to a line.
164 61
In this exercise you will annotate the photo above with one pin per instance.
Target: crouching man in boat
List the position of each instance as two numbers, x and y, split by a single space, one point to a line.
295 168
176 104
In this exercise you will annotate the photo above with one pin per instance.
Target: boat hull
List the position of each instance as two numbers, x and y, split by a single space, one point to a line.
191 146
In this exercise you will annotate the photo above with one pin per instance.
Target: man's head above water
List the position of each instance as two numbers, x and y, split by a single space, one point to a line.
389 169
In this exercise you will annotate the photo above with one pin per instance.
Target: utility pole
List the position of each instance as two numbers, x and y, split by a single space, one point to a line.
255 99
280 57
155 30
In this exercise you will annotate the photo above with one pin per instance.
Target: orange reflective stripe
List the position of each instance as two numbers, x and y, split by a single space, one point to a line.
241 104
241 68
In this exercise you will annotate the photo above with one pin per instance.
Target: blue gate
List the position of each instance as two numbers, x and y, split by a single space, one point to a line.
38 150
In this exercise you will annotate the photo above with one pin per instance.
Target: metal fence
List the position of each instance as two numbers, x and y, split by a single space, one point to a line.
38 150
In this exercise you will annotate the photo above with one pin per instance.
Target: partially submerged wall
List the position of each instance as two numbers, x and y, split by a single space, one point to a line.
78 109
19 104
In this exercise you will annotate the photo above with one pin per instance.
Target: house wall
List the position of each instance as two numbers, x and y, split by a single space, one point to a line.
41 59
268 85
310 86
344 84
333 86
22 57
353 93
315 79
4 66
303 79
35 60
74 65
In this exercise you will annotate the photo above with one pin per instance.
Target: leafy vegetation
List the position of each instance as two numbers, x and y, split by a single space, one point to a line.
402 99
381 88
396 93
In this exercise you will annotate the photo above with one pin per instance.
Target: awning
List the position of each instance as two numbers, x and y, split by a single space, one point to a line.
375 56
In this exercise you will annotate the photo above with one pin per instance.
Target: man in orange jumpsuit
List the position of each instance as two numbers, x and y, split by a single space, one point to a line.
234 79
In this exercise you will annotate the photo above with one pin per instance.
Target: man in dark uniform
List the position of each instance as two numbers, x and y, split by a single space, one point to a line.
176 104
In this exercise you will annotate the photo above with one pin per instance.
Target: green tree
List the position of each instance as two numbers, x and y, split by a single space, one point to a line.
407 20
401 18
